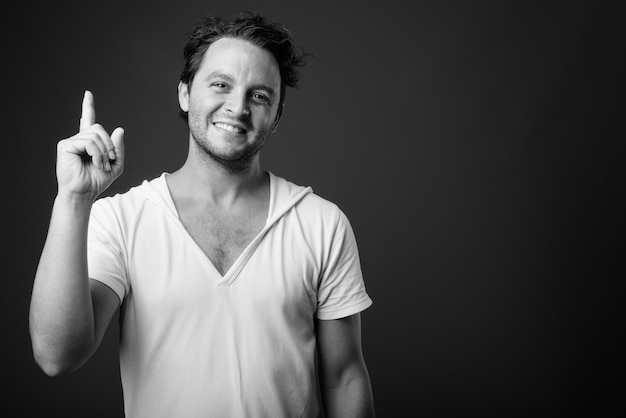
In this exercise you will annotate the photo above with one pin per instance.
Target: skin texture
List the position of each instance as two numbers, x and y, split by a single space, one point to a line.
344 380
69 313
233 107
221 194
238 85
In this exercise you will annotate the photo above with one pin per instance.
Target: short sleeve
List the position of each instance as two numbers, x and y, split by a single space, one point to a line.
105 249
341 290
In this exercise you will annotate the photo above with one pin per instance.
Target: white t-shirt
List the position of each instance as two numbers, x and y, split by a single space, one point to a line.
196 344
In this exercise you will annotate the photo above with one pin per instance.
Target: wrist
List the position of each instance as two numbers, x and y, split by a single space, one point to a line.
76 201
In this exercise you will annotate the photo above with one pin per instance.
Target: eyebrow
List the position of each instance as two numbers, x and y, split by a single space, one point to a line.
226 77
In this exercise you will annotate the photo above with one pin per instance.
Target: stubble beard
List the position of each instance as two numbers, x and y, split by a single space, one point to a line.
233 162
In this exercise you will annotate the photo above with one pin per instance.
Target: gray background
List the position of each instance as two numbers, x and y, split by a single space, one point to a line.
473 145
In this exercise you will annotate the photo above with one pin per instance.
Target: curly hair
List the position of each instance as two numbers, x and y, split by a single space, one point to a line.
251 27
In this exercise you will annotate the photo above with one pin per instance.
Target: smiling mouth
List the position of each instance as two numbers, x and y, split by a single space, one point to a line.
229 128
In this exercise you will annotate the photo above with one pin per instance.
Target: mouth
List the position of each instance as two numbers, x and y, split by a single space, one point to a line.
235 129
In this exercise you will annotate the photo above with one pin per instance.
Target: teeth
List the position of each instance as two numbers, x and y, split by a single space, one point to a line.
229 128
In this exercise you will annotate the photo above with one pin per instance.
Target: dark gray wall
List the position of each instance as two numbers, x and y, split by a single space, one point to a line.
474 147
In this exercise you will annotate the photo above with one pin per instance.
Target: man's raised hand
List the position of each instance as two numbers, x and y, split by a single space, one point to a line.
88 162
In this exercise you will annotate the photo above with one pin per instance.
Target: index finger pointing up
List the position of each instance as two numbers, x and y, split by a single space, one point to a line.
88 116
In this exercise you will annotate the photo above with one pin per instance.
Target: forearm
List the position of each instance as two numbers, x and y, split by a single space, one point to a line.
61 311
350 398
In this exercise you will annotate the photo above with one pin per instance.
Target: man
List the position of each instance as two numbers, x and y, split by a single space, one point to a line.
239 292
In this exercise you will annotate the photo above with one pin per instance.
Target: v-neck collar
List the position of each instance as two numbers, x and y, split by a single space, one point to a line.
233 271
283 196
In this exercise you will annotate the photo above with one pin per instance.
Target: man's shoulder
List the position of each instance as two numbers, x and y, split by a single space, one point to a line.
318 203
310 199
312 208
135 196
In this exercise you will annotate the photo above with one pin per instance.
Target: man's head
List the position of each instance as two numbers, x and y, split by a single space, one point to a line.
232 90
250 27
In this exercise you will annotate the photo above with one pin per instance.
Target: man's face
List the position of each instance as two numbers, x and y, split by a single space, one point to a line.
232 102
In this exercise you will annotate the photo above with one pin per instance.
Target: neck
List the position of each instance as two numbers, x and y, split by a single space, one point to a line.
216 183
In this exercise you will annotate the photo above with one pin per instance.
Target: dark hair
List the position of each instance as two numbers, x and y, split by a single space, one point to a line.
251 27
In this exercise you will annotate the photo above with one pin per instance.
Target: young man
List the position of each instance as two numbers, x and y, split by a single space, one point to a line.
239 292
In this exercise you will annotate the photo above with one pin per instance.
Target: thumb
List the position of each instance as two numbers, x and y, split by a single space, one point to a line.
117 137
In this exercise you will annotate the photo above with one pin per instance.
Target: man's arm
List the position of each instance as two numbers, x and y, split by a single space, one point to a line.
344 379
68 312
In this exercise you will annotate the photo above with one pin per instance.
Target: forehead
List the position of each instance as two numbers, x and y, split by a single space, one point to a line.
241 60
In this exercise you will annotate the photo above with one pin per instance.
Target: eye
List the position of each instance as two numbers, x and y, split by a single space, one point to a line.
219 85
261 98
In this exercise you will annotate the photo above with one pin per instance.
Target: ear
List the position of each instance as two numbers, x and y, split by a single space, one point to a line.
183 96
279 113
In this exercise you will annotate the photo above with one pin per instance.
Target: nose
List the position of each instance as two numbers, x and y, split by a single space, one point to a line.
237 105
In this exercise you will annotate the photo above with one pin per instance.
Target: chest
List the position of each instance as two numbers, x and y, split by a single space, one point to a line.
223 236
173 278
